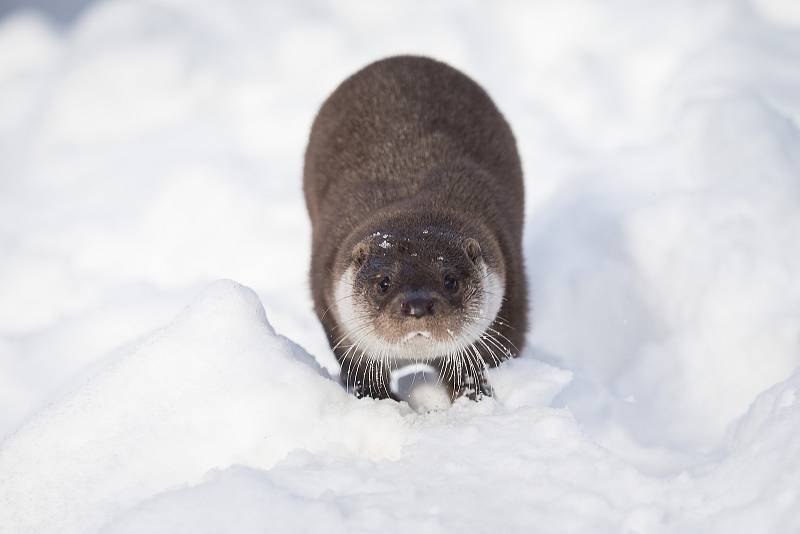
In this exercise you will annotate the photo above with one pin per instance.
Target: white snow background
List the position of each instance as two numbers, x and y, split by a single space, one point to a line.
150 148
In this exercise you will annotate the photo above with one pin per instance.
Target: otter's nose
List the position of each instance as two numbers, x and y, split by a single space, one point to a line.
418 305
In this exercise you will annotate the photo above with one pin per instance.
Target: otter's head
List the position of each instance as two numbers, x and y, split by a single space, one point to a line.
416 297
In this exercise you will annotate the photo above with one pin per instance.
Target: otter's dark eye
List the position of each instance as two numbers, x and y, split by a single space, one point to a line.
450 283
384 284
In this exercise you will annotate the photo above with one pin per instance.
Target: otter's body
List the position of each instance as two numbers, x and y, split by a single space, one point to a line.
414 188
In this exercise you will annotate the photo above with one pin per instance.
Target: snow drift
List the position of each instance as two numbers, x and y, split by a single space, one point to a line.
215 423
215 388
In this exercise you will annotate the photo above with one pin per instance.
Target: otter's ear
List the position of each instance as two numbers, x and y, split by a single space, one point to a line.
360 253
473 250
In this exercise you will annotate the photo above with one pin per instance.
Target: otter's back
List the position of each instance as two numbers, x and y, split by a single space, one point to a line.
402 125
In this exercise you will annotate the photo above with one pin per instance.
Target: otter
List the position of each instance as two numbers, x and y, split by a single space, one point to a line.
414 189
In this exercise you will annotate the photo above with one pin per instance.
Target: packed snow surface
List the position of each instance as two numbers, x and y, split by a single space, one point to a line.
149 149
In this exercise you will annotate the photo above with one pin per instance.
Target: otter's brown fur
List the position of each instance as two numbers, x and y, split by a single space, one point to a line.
409 142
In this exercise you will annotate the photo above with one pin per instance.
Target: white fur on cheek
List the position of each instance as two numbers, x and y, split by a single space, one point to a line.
344 305
493 291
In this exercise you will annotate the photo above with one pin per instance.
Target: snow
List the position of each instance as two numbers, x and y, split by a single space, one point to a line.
149 149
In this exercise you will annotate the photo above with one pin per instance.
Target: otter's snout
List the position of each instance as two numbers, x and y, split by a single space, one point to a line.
418 304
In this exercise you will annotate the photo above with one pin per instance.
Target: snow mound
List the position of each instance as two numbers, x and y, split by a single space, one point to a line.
217 424
214 388
754 487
